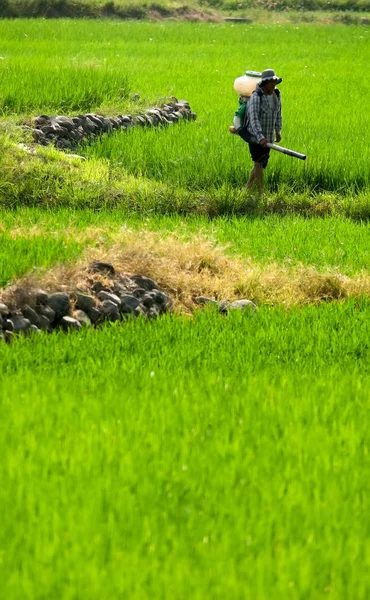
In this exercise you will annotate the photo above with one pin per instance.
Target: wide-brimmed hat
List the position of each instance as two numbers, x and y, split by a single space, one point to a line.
268 74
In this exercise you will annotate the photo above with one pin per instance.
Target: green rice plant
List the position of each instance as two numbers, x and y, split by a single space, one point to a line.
219 457
204 154
199 62
332 244
30 86
21 255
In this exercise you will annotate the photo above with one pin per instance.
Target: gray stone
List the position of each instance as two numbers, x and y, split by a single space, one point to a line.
60 303
139 292
89 126
74 136
79 135
38 135
139 120
82 317
65 122
107 125
64 144
125 119
153 112
19 323
123 286
31 315
41 297
96 119
85 302
8 325
46 311
33 329
102 267
69 323
140 311
110 311
41 120
64 132
50 129
8 335
98 287
103 295
129 303
44 322
224 306
162 299
4 310
144 282
148 299
204 300
94 315
242 304
153 311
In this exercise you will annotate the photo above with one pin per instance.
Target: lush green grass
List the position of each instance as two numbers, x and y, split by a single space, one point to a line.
198 62
193 459
328 243
20 255
198 458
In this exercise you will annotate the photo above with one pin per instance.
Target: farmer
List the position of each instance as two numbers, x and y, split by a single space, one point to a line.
264 125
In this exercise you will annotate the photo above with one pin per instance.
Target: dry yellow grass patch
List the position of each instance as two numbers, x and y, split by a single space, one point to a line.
187 269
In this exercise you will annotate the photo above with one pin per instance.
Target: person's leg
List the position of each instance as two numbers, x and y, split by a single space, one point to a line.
260 157
256 177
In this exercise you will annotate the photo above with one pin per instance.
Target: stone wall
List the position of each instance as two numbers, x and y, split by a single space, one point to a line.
67 132
110 296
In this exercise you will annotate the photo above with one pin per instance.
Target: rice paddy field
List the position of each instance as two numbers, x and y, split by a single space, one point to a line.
198 455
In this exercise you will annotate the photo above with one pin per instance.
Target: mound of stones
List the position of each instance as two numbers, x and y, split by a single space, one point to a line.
111 297
67 132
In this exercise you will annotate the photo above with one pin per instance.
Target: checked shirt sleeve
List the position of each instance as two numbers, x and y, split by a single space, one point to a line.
255 126
279 120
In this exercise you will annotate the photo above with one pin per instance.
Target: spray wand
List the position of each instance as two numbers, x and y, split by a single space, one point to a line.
286 151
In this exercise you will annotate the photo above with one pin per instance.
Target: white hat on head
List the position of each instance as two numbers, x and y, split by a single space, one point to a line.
268 74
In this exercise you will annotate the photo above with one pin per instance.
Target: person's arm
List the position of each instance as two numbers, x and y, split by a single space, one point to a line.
253 114
279 122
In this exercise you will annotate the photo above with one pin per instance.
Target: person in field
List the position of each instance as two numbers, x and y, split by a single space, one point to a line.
264 123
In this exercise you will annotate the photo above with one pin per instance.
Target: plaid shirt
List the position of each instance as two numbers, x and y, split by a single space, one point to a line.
262 121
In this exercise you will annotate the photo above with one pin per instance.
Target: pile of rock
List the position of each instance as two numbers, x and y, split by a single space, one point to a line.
112 297
67 132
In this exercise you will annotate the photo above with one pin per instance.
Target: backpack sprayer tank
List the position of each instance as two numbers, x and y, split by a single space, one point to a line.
246 84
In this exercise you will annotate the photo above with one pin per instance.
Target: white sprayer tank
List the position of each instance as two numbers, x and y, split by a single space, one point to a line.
246 84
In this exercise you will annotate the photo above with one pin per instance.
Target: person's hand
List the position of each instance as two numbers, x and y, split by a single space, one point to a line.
278 137
263 142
